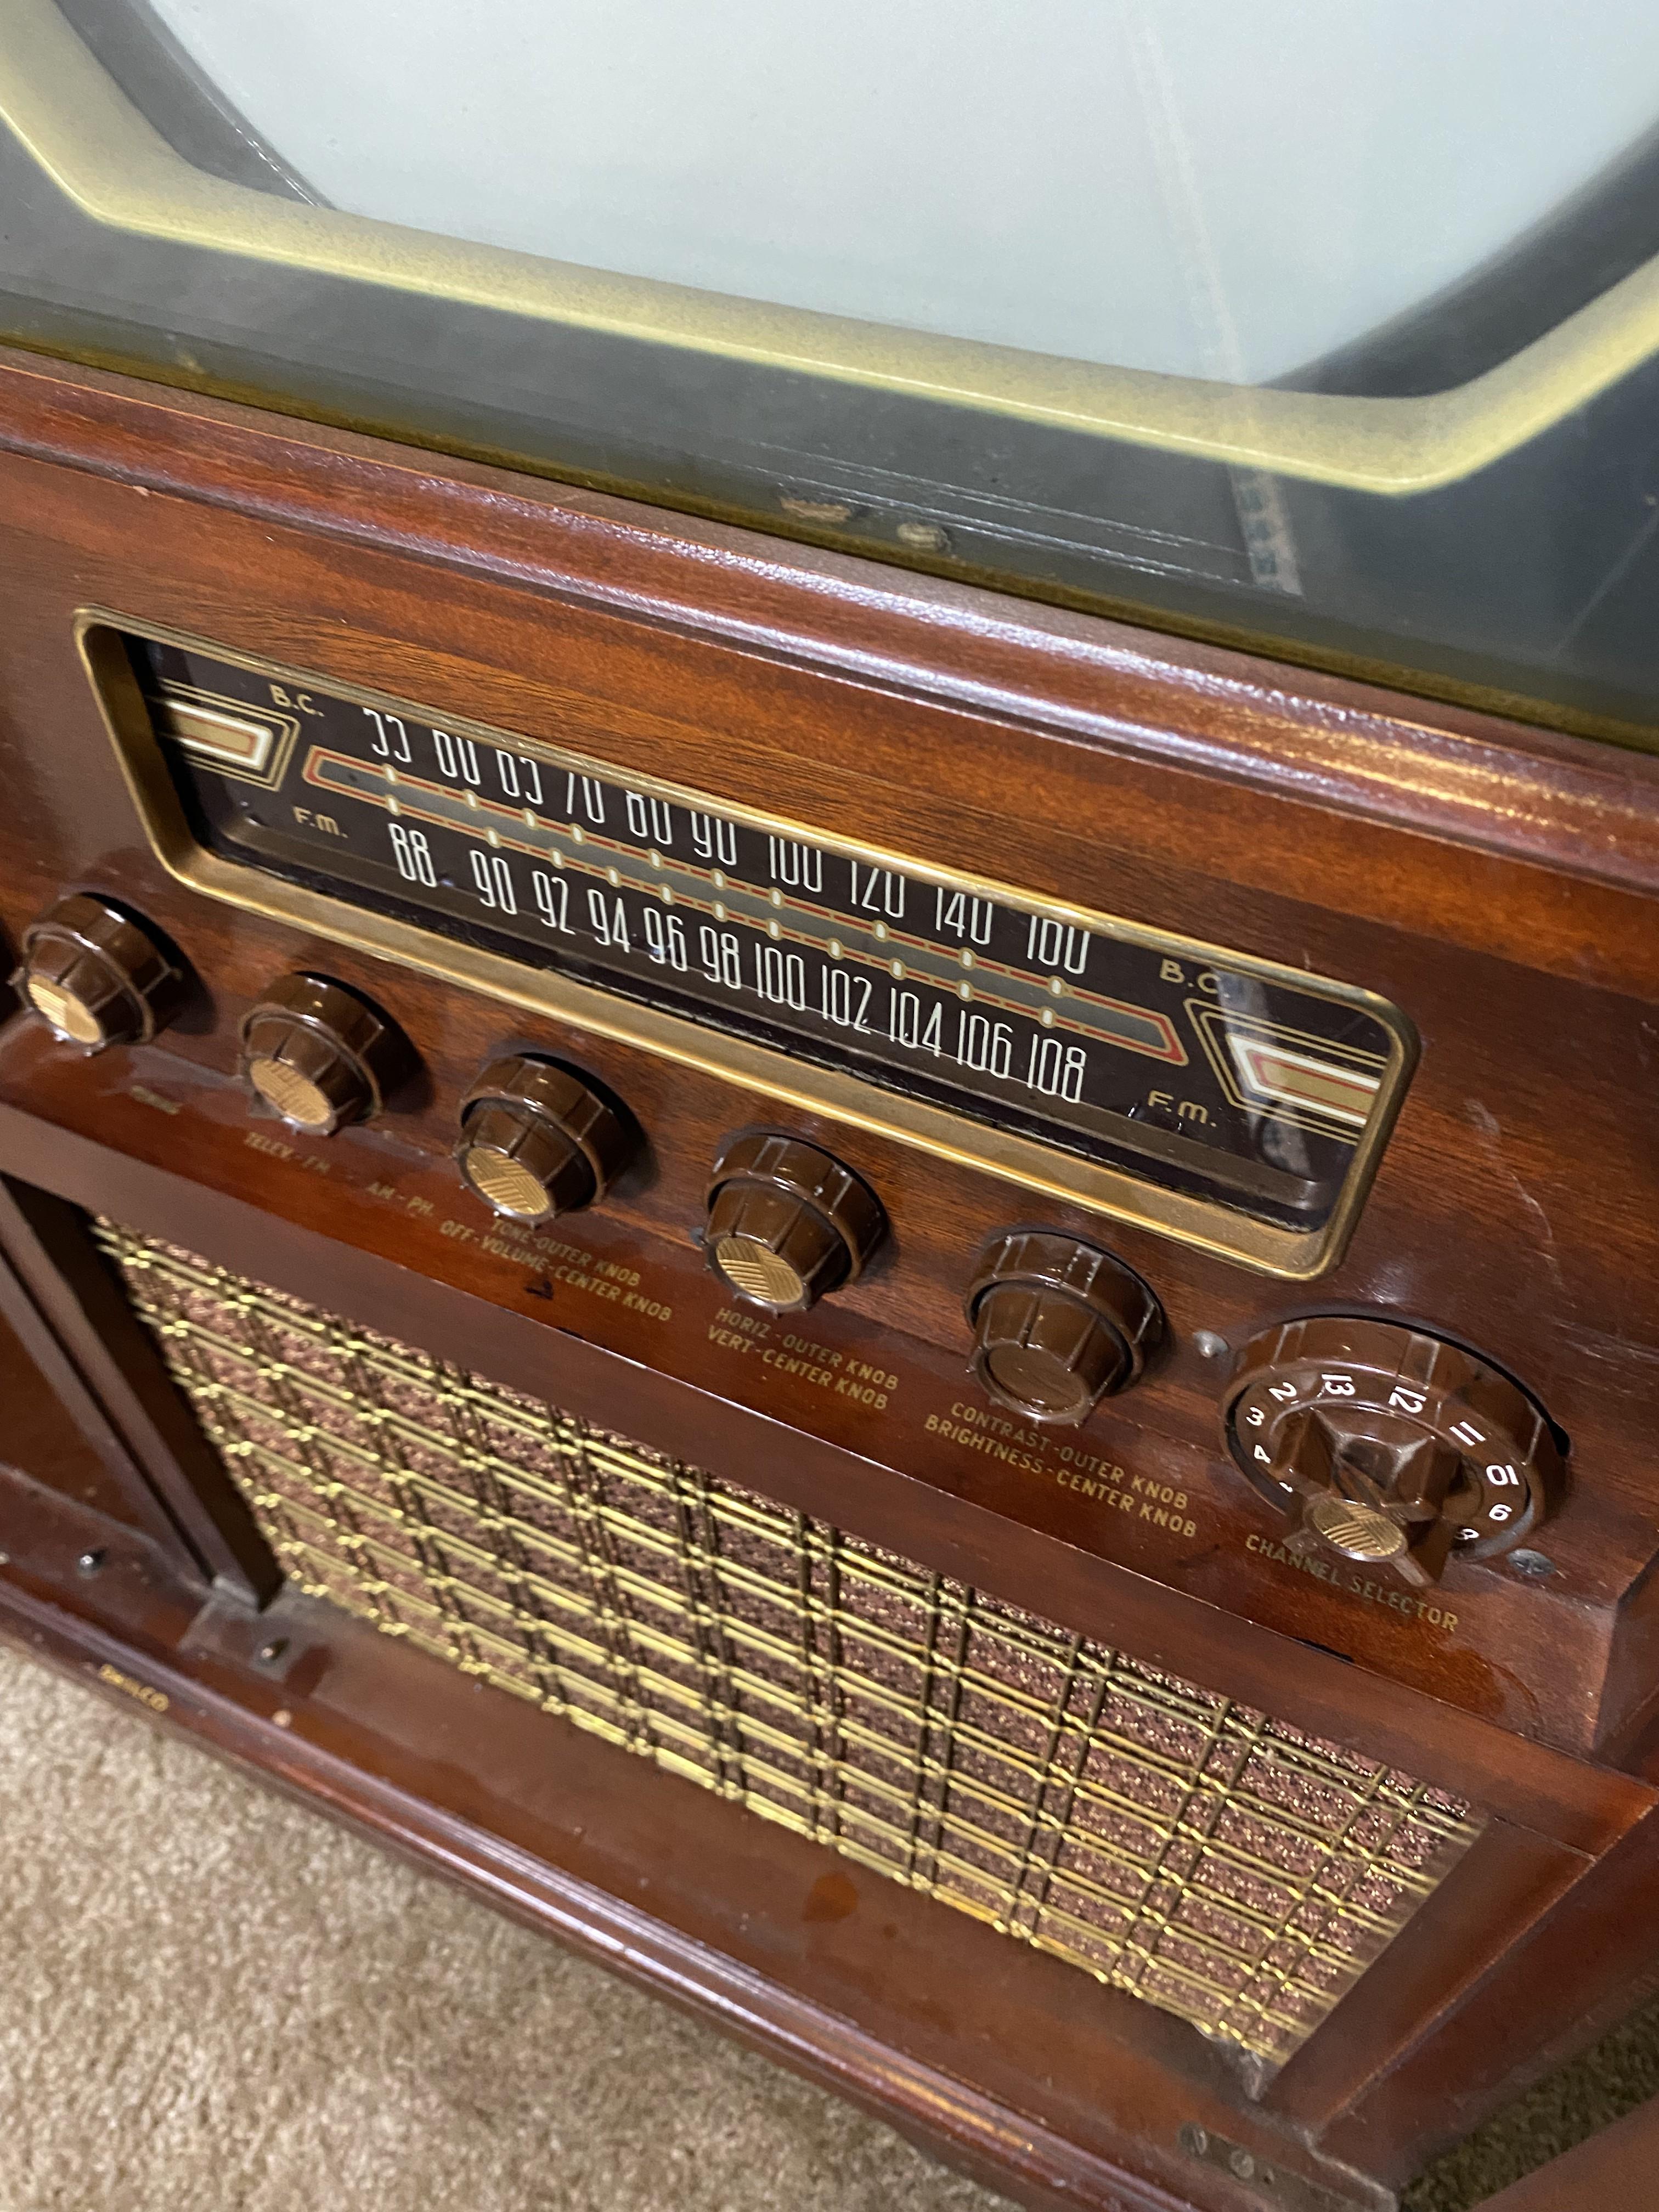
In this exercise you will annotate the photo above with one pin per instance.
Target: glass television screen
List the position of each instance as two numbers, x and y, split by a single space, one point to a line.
1334 330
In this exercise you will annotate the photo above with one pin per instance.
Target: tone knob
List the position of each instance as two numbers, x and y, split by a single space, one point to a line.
787 1222
1389 1446
1057 1325
537 1141
96 976
320 1056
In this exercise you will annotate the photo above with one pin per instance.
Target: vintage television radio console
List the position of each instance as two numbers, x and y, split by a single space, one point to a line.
933 1316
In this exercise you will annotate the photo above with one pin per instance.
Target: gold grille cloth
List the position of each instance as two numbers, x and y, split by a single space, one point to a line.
1213 1860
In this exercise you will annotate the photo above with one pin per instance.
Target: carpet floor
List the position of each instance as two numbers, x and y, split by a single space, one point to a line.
213 1999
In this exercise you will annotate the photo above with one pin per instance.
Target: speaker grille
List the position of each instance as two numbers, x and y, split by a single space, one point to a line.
1214 1861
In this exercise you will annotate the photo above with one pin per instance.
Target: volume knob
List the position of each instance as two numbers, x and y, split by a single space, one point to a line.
537 1141
96 976
319 1056
787 1222
1058 1324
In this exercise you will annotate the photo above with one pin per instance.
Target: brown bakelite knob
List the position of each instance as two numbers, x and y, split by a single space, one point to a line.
537 1141
96 976
1057 1325
788 1223
321 1056
1387 1445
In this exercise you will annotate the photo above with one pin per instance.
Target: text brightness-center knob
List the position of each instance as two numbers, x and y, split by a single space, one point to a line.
1057 1325
537 1141
787 1222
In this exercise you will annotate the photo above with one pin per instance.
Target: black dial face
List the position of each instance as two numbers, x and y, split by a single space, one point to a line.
1127 1049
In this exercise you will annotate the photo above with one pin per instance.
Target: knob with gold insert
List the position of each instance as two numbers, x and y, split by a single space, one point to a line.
320 1056
1058 1324
538 1141
96 975
1389 1446
787 1222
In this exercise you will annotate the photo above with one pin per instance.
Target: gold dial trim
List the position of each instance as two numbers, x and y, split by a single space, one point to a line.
100 154
1291 1255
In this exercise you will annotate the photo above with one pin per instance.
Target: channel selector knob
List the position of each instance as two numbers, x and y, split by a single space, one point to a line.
1389 1446
787 1222
1057 1325
95 975
537 1141
321 1056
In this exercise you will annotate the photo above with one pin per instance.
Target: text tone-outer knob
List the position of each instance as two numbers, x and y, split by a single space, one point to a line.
1058 1324
95 975
787 1222
321 1056
537 1141
1390 1445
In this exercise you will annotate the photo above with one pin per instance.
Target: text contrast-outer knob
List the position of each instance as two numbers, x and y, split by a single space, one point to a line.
319 1056
537 1141
787 1222
96 976
1388 1445
1058 1324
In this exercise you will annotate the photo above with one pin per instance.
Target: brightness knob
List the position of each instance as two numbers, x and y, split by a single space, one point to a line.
96 976
787 1222
1058 1324
321 1056
537 1141
1389 1446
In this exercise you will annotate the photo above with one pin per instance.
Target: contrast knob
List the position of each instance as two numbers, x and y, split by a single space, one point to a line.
321 1056
96 976
1389 1446
1058 1324
787 1222
537 1141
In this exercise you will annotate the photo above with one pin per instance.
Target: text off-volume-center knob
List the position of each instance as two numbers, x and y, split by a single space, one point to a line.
787 1222
96 976
1057 1325
537 1141
321 1056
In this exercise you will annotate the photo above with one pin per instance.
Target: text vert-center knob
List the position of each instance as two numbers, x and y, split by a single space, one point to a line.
538 1141
787 1222
321 1056
1057 1325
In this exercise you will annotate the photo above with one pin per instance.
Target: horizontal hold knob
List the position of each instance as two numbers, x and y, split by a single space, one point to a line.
788 1223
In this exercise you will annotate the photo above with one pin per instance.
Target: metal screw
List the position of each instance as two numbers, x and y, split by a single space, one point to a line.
89 1563
1531 1566
1208 1345
925 537
269 1653
1193 2139
1242 2164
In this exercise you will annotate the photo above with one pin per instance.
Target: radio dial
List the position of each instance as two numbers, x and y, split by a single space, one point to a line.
1057 1324
537 1142
319 1056
1389 1446
788 1223
95 976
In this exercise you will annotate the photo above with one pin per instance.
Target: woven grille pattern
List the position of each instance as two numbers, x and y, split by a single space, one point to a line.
1210 1859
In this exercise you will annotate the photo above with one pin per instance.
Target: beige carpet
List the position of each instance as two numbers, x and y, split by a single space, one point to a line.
212 2000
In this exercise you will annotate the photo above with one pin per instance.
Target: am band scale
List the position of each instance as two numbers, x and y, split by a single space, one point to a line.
1218 1098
